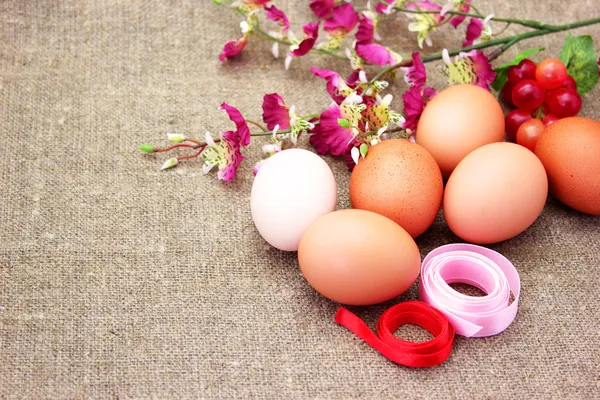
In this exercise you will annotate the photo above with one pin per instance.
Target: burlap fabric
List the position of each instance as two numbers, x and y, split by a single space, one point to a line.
121 281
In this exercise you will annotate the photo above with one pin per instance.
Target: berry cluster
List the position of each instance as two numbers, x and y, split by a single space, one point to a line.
541 95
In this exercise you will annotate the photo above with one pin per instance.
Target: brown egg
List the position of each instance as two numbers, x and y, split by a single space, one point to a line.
358 257
570 152
495 193
458 120
400 180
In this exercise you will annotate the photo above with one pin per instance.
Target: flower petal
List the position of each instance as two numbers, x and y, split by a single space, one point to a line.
474 30
344 18
322 8
456 20
242 127
374 53
233 48
329 137
366 30
311 31
275 112
276 15
416 75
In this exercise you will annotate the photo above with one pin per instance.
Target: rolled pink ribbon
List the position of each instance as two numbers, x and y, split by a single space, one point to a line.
478 266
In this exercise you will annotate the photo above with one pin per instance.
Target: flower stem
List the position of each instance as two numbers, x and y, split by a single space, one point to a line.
257 125
505 43
523 22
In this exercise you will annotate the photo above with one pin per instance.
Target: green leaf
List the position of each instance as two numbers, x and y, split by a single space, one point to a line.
581 60
502 71
363 150
344 123
146 148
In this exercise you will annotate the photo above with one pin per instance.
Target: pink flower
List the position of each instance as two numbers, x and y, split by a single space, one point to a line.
474 30
322 8
366 30
416 75
456 20
328 137
365 48
342 21
242 127
225 154
424 23
337 88
311 33
415 100
276 15
471 67
233 48
275 112
374 53
385 6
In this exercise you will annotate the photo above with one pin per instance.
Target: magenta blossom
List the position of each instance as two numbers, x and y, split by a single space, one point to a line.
328 137
474 30
342 21
276 15
385 7
366 29
311 33
242 127
416 75
337 88
322 8
275 112
415 100
456 20
471 67
364 46
233 48
225 154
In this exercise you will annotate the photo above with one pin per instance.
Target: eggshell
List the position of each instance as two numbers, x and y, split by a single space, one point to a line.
358 257
495 193
291 190
570 152
458 120
400 180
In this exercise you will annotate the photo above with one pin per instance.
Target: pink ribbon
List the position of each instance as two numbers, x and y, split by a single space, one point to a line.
477 266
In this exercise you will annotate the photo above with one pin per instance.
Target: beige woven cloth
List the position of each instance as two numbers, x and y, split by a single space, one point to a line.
121 281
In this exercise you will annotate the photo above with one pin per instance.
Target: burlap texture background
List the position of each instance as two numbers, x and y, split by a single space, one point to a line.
121 281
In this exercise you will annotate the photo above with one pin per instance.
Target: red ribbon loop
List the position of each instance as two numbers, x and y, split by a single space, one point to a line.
411 354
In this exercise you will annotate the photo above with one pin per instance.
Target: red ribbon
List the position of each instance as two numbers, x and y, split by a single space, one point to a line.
411 354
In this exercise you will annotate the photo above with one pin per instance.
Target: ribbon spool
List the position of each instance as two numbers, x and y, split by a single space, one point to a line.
400 351
477 266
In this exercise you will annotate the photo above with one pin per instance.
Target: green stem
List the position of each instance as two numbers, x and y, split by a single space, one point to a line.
523 22
505 42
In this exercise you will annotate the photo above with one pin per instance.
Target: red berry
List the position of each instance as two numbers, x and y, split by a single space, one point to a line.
507 94
513 121
570 83
551 73
524 70
528 95
564 102
529 133
549 119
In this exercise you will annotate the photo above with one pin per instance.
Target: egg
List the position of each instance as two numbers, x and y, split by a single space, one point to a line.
570 152
495 193
400 180
290 191
458 120
357 257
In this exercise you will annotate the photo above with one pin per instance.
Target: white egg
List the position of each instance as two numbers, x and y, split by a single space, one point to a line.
292 189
